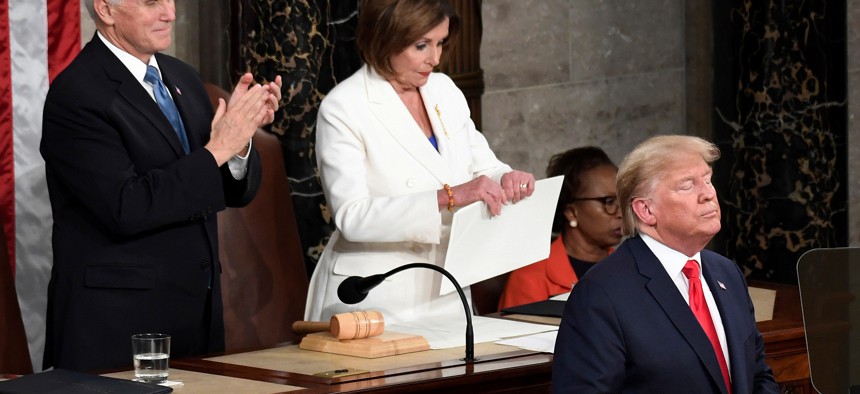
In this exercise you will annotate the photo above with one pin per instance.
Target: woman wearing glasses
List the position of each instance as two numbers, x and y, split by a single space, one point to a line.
587 220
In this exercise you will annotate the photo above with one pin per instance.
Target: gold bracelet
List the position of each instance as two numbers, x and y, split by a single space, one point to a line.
450 197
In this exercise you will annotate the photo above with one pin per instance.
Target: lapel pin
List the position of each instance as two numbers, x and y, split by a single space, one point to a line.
439 114
179 92
722 286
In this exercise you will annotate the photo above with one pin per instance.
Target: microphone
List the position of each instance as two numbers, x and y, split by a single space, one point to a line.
355 288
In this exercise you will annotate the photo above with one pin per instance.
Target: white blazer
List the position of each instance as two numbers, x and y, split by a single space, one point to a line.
380 175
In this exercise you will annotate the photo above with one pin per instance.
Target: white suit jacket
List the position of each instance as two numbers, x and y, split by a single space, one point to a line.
380 175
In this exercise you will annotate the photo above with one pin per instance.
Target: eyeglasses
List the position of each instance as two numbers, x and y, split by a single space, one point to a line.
610 203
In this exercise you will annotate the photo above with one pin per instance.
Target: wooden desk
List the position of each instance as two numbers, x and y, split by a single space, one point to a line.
498 369
784 340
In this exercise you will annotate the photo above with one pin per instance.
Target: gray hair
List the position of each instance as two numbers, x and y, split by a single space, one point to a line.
646 163
92 10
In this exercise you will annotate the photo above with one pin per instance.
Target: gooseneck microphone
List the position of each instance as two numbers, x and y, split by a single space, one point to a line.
355 288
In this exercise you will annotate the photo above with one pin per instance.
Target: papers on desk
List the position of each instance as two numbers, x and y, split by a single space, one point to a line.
543 342
763 300
450 331
560 297
482 247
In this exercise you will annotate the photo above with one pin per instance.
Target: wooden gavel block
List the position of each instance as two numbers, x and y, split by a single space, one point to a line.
357 334
350 325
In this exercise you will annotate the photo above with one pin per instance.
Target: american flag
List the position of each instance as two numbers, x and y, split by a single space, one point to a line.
38 38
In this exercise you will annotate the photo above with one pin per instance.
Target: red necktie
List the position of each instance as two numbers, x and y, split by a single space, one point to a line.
700 309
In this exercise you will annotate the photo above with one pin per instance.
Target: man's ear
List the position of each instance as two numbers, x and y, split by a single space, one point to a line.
103 11
642 210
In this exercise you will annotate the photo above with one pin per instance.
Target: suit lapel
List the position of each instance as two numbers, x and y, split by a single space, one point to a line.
134 94
434 104
395 118
665 293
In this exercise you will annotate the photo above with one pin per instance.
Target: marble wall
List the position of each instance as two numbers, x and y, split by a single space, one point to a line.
782 129
853 54
563 73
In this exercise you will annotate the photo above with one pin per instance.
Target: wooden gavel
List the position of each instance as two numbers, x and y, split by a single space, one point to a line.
350 325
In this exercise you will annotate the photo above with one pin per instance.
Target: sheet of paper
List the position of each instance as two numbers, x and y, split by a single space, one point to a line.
450 331
560 297
482 247
763 300
542 342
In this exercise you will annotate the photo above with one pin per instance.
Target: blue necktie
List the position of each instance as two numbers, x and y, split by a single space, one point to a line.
167 105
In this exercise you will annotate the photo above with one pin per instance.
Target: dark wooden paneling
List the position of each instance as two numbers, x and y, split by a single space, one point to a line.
464 62
263 272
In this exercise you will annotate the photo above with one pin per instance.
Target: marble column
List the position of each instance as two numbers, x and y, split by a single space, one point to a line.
780 121
309 43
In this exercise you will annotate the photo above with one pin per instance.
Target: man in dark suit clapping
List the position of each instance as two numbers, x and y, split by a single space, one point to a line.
137 164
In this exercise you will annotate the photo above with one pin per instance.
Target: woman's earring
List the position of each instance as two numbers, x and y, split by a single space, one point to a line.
573 223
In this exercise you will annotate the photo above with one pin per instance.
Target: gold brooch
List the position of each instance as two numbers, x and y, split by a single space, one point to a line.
439 114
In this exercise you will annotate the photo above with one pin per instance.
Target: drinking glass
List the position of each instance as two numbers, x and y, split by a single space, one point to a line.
151 356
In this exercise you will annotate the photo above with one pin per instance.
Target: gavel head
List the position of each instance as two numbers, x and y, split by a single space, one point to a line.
357 324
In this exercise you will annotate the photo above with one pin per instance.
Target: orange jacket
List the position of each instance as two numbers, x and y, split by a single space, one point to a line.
540 281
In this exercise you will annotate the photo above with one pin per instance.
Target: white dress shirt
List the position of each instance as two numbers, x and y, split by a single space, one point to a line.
673 262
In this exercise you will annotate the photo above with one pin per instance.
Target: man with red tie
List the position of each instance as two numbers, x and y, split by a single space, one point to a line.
662 314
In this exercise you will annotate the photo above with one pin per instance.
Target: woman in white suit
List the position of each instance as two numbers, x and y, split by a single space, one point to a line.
397 154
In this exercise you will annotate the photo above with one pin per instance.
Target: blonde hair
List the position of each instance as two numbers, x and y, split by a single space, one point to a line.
643 166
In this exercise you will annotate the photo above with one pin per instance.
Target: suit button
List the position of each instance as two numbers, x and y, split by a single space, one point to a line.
410 183
205 265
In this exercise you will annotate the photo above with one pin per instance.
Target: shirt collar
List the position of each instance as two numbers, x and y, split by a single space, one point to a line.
672 260
133 64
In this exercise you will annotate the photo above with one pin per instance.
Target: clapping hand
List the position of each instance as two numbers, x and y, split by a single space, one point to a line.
235 124
272 99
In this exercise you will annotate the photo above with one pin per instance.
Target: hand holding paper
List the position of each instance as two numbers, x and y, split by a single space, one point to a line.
517 185
482 247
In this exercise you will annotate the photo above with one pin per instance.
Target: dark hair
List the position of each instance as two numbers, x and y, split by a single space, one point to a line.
387 27
572 164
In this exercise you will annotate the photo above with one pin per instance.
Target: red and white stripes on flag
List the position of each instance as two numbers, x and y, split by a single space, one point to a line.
38 38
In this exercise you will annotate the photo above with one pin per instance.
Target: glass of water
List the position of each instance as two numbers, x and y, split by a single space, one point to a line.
151 356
